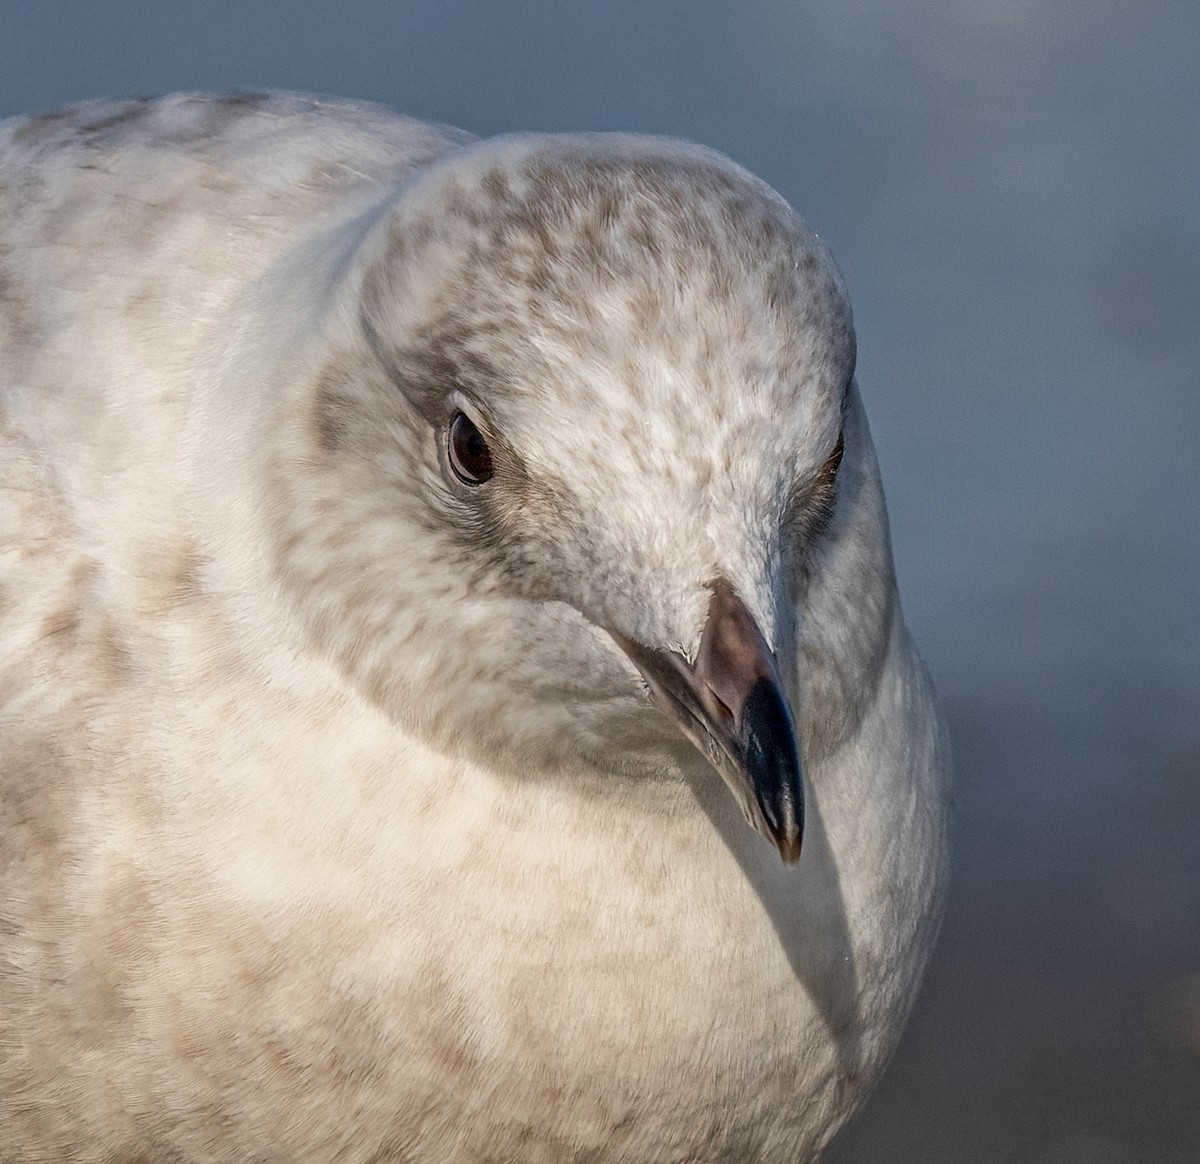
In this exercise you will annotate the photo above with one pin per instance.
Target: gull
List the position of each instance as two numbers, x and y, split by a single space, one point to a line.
454 699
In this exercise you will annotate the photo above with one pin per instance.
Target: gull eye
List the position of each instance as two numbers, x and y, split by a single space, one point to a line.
828 473
470 458
820 499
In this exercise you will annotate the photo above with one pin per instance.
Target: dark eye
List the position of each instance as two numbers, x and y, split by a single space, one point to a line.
821 498
470 458
829 470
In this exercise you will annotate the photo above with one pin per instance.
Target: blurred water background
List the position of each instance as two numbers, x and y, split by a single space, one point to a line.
1012 188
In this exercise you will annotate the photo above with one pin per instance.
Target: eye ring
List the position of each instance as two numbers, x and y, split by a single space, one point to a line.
467 451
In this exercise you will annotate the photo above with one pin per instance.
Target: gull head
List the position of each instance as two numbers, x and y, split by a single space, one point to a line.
577 421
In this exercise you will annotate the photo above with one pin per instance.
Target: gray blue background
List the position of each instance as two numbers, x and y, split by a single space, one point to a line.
1012 189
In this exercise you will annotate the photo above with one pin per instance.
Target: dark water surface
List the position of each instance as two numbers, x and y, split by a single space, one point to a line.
1012 189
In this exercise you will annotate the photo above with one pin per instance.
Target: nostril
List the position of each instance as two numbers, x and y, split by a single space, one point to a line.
717 706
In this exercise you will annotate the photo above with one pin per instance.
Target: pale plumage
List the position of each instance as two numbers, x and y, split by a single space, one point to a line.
337 821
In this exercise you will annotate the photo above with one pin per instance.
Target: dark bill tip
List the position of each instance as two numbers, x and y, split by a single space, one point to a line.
730 703
771 760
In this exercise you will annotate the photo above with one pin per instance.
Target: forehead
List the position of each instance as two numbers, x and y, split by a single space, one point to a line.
625 280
